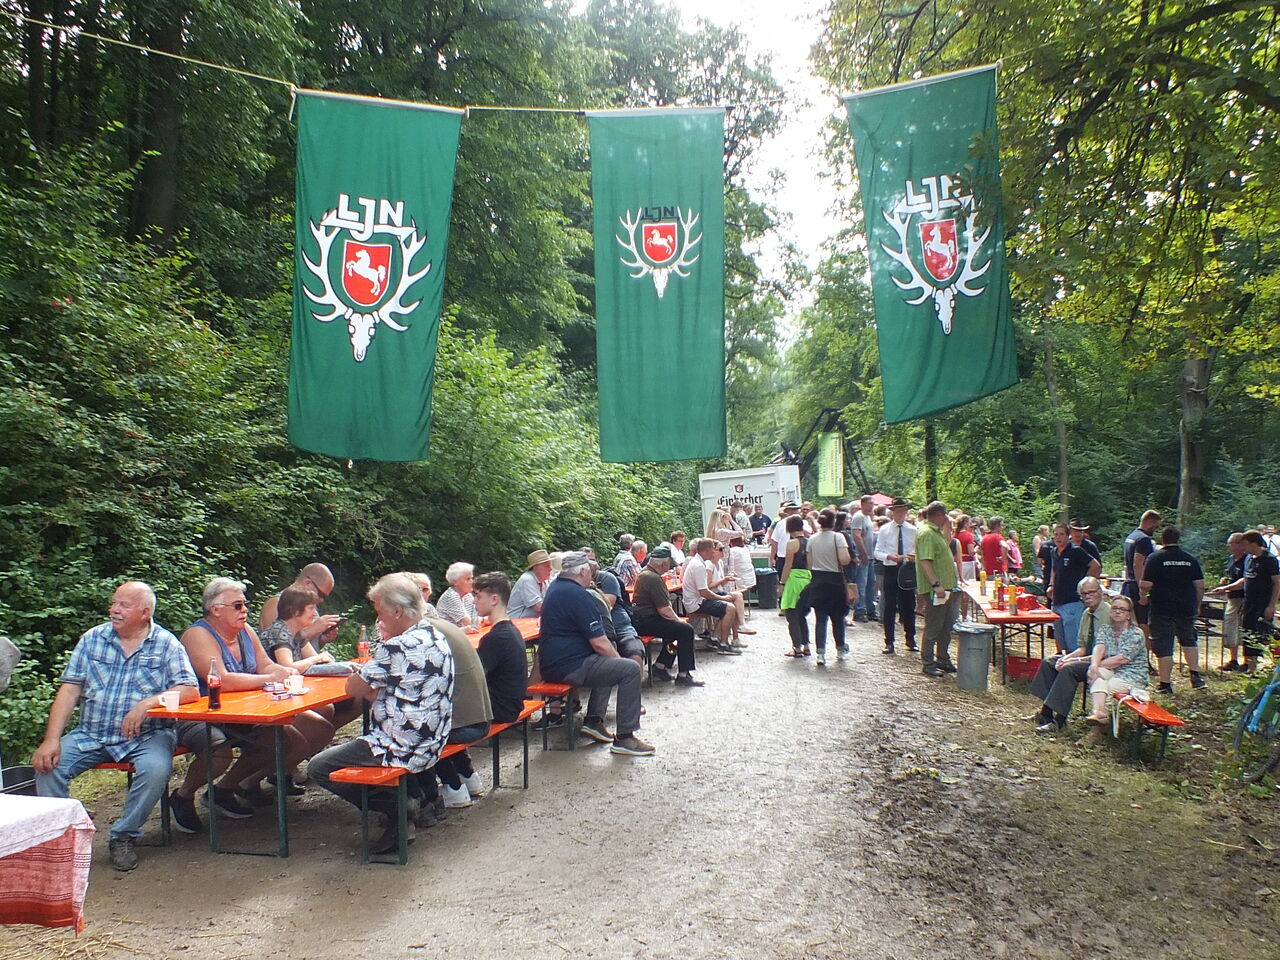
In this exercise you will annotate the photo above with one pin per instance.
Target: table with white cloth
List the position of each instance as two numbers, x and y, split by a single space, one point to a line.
46 845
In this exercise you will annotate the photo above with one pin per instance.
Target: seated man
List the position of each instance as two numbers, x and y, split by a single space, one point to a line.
1056 681
654 617
502 650
314 576
576 650
223 638
409 682
472 712
618 607
526 595
116 673
629 564
699 598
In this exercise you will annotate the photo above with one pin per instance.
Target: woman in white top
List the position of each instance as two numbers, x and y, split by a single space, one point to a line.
720 526
457 605
828 554
740 565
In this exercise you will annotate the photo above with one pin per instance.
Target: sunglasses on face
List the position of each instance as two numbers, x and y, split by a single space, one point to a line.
236 605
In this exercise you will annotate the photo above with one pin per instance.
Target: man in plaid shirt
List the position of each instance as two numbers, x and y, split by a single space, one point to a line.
116 673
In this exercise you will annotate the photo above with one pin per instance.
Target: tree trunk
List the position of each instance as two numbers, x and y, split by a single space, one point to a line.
1059 424
155 197
1193 396
930 462
37 95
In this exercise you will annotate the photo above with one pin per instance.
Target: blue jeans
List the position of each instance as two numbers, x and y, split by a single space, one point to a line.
152 757
1065 633
866 603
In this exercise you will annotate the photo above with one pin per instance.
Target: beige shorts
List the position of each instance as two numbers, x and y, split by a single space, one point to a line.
1108 683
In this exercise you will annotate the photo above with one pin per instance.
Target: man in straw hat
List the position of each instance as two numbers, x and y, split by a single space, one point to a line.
526 595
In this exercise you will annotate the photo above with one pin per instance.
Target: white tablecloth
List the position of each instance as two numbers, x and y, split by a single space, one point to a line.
28 821
46 846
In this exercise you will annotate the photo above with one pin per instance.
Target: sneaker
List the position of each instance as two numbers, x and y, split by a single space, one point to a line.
842 652
911 645
549 720
860 618
474 785
889 650
1198 682
122 854
727 650
874 618
596 730
255 796
1232 666
1051 726
932 671
388 842
424 816
453 799
632 746
662 673
1165 688
947 667
687 680
291 787
747 630
1038 717
739 645
225 800
822 658
183 810
439 809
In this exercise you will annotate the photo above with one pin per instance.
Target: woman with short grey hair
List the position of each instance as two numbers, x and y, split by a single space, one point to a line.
457 605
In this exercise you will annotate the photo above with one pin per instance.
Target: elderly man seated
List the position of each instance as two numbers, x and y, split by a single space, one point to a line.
409 682
526 595
1059 676
116 673
653 616
629 564
575 649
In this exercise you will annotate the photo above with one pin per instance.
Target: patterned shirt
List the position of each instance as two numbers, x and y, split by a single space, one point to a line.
1131 644
279 635
455 607
412 713
112 684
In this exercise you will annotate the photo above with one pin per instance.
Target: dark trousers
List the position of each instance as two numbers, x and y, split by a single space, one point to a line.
1057 688
669 631
353 753
451 770
901 603
798 626
830 602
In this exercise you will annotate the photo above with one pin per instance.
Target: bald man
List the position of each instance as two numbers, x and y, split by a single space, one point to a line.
314 576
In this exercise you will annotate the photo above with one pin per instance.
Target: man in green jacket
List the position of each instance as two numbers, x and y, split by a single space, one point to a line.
936 583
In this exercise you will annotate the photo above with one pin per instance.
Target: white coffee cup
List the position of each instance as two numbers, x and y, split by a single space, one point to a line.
169 700
295 683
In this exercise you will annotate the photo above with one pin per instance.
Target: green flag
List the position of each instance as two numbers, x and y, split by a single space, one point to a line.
657 186
830 465
929 169
375 184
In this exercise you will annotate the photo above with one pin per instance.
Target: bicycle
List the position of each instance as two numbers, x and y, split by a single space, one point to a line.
1260 721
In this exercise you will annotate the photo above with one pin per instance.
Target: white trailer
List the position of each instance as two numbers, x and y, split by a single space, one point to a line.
768 486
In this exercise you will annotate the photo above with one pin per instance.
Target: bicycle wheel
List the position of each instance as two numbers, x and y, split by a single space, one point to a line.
1248 743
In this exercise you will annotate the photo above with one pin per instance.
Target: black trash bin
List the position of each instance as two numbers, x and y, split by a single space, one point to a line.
767 589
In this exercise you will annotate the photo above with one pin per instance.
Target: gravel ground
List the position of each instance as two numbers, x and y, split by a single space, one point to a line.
857 810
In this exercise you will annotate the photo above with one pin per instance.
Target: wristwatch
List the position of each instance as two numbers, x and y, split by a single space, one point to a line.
936 584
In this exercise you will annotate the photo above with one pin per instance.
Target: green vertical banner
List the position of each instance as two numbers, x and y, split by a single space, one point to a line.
375 185
929 168
830 465
657 186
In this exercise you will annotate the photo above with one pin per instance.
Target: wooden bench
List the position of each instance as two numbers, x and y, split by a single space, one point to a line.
166 826
551 693
1151 716
394 776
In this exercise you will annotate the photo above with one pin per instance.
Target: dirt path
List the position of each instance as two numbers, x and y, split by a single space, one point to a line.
861 810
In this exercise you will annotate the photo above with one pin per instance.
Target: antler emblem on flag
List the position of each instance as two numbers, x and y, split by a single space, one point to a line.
666 246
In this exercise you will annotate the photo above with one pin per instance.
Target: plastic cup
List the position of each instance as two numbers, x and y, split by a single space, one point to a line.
169 700
295 684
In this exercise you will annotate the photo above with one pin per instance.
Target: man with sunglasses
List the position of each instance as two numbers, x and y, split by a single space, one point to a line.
1059 676
317 577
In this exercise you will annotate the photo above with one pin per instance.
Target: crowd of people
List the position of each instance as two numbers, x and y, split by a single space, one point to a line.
427 685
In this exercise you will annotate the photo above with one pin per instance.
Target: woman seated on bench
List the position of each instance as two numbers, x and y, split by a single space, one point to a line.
1119 659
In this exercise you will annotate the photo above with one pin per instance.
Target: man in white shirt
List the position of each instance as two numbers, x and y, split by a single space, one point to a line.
895 548
778 536
699 598
864 532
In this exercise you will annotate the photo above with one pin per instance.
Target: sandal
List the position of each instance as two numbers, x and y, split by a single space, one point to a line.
1094 718
793 653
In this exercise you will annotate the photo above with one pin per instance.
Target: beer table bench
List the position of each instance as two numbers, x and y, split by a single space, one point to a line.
256 708
1034 618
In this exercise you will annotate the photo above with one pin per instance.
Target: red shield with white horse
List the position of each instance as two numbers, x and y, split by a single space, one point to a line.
941 249
660 241
366 268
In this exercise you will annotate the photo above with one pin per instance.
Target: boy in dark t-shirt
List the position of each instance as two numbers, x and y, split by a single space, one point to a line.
502 651
1261 589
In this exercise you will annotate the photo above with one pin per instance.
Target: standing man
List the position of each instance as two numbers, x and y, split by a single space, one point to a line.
653 616
778 536
995 550
526 595
1079 536
1068 565
1261 591
1137 547
575 649
895 548
1173 583
116 673
863 531
759 522
937 584
1233 589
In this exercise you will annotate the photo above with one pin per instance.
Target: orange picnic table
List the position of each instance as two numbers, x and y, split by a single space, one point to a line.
256 708
1034 618
529 627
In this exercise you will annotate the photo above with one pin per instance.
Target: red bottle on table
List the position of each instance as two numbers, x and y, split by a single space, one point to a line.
215 686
